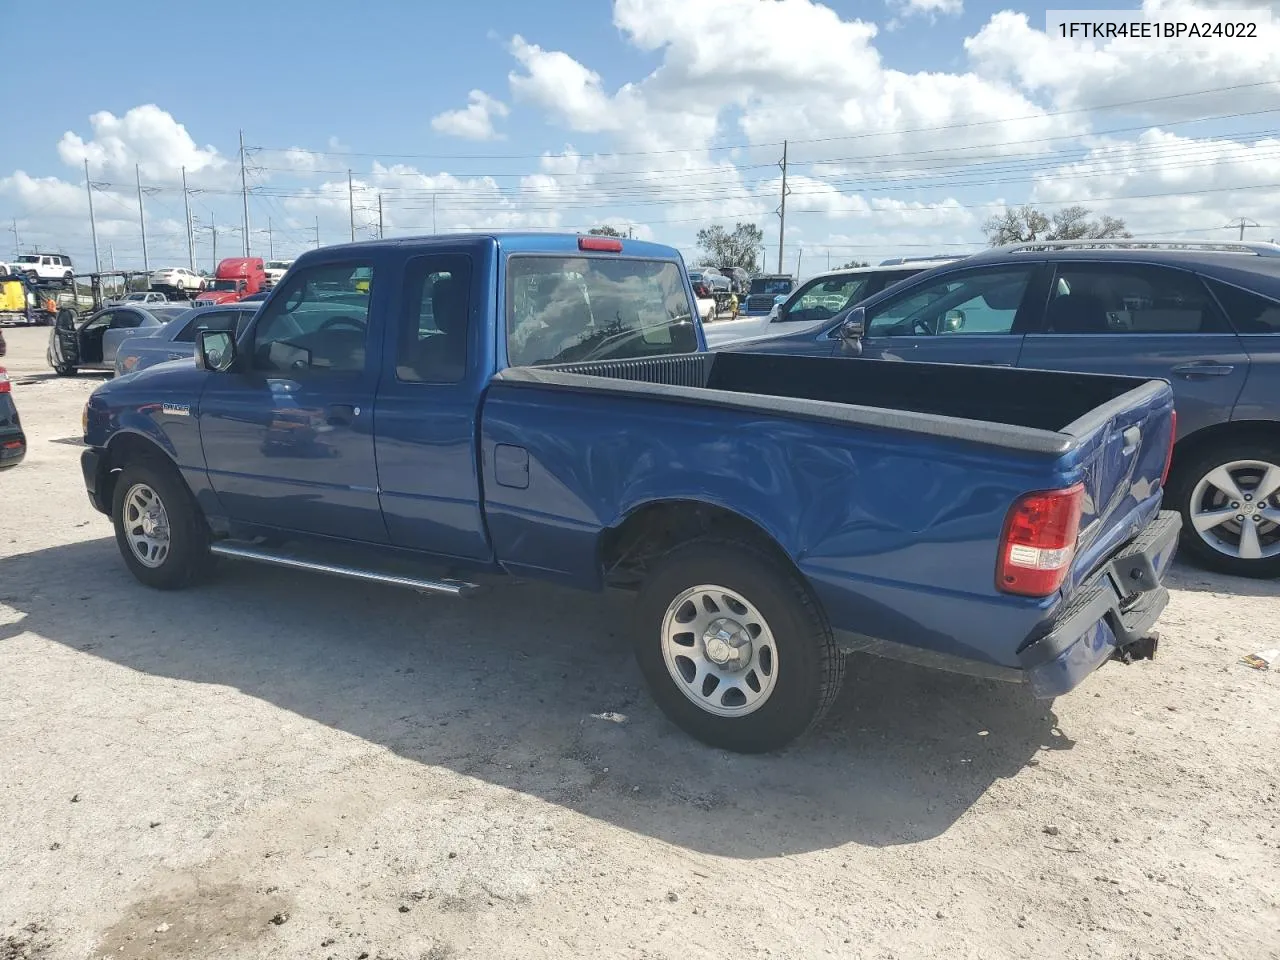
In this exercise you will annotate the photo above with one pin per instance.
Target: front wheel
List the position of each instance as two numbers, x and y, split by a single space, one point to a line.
180 286
63 370
734 647
1229 498
159 530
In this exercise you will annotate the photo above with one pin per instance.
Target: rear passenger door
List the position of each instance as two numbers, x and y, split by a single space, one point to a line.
965 316
1142 320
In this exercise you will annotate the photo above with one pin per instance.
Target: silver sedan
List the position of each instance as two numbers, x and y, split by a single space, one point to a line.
177 339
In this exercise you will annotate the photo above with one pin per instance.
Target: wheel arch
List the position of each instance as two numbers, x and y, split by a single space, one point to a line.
648 530
1188 448
129 446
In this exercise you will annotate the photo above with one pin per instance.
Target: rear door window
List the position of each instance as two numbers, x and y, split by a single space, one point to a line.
1096 298
566 309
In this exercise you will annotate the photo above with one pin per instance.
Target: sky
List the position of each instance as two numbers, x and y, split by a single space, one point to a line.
908 124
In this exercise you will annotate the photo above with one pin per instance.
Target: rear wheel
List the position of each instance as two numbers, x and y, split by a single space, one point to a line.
63 370
159 530
180 286
1229 497
734 647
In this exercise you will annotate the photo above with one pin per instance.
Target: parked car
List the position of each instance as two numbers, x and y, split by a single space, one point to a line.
1206 317
176 339
179 279
820 298
13 442
144 296
91 343
46 266
256 297
767 510
275 270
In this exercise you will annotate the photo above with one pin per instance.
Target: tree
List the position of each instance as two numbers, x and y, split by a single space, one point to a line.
852 264
741 248
606 231
1026 224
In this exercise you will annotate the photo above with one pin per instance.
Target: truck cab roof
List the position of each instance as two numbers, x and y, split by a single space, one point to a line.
511 242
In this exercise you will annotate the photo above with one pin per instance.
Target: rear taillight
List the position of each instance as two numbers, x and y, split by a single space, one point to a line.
1039 542
5 385
1168 457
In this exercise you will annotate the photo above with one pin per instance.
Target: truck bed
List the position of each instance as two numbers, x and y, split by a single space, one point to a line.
1029 410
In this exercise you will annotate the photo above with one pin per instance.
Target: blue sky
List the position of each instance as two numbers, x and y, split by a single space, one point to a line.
911 121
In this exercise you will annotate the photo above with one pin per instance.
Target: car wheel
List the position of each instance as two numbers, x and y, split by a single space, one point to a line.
734 646
160 532
1229 498
180 286
63 370
67 278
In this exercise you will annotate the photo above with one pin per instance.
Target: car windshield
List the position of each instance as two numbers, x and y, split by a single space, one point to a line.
774 285
824 297
277 265
28 258
564 309
225 285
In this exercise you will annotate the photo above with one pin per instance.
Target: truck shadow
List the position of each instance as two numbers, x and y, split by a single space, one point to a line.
510 687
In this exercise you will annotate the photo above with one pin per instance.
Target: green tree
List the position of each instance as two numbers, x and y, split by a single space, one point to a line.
1026 224
854 263
739 248
606 231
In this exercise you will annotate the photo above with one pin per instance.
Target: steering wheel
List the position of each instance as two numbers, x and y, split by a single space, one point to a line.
920 327
353 322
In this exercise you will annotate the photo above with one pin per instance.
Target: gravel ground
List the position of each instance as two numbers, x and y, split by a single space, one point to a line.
287 766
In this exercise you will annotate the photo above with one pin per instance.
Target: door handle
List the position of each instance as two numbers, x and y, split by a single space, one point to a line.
342 414
1203 368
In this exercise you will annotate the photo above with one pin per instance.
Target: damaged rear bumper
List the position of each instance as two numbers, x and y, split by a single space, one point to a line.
1111 614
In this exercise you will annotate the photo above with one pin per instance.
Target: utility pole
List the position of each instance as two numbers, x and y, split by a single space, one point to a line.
1241 222
317 233
93 227
142 219
17 243
782 209
244 196
798 256
828 260
380 234
111 254
191 238
271 241
433 213
351 205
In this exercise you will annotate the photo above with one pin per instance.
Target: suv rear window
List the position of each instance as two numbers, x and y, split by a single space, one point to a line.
1248 312
566 309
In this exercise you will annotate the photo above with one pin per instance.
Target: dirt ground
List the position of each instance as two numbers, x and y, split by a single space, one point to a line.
288 766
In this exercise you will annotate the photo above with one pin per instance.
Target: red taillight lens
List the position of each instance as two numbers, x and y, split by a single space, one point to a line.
606 244
1039 542
5 385
1168 457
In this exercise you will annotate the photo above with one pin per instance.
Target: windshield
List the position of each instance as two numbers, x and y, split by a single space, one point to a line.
28 258
774 285
225 285
565 309
277 265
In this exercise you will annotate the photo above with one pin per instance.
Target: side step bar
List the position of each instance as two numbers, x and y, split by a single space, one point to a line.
450 588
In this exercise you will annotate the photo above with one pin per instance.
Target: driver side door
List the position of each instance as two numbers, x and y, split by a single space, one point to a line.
288 435
977 316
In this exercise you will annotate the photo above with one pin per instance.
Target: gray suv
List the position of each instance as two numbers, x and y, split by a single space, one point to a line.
1205 317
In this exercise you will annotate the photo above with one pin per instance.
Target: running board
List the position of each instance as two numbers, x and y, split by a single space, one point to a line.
450 588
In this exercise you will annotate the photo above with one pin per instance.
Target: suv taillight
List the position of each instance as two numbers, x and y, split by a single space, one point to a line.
1168 457
5 385
1039 542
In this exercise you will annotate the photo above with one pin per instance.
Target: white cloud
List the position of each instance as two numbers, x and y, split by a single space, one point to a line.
928 8
563 87
145 135
475 120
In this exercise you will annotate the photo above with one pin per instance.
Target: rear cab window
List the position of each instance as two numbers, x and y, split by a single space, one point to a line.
568 309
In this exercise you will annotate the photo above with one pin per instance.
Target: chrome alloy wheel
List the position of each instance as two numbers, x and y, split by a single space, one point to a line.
146 525
1235 509
719 650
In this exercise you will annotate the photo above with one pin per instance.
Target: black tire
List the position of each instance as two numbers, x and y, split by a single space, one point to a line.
68 278
188 558
1182 488
810 667
64 371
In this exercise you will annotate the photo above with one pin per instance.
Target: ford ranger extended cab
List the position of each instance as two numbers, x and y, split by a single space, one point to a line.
544 406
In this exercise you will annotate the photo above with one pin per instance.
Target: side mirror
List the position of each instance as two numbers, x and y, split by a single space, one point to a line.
953 321
852 329
216 351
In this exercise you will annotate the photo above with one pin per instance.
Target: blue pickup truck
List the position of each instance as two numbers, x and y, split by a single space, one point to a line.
544 406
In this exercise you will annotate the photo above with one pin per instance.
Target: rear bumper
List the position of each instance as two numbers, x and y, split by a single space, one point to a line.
1113 610
13 448
90 461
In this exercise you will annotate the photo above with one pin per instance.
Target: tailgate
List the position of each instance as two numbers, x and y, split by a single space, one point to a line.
1122 451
